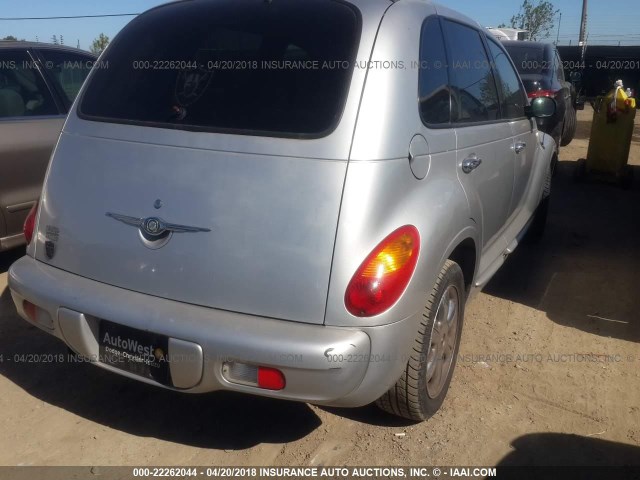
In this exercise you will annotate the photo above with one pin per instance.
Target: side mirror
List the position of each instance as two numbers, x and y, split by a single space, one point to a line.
541 107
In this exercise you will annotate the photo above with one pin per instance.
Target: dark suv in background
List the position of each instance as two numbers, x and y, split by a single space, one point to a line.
38 84
542 73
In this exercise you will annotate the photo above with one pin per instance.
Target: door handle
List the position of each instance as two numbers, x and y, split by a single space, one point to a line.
470 163
520 146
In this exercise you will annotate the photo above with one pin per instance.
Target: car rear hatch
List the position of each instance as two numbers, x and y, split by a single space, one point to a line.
533 64
197 172
534 82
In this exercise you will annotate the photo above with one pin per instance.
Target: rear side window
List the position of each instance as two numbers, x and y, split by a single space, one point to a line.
434 94
23 92
67 70
513 99
474 94
278 68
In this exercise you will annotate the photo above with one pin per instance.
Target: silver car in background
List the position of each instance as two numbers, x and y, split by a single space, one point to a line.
38 84
289 199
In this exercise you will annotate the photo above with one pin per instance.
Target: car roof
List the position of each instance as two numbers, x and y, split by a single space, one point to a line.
528 44
441 9
446 12
22 45
454 14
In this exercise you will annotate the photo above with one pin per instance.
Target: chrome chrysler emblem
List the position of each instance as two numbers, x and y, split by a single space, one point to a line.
152 226
154 229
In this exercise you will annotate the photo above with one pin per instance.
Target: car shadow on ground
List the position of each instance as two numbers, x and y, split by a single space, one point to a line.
7 258
219 420
586 270
575 457
370 415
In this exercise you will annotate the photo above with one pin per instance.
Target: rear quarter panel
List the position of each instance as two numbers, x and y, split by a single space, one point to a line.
381 193
381 196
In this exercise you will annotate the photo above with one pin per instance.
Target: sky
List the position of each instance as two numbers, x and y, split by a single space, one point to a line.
609 22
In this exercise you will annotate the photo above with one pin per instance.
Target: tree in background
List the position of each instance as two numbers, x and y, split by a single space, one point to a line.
54 40
536 18
99 44
10 38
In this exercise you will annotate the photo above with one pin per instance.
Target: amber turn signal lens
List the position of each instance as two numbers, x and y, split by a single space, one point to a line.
385 273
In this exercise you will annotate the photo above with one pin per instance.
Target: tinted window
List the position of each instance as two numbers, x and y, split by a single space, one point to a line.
23 92
528 59
275 68
67 70
513 99
474 95
433 78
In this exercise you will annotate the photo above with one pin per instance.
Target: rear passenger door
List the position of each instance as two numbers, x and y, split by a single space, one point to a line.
484 140
30 122
513 100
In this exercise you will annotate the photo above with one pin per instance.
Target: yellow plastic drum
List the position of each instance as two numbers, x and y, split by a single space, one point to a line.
611 134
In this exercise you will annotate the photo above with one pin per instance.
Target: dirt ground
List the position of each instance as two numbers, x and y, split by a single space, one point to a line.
549 373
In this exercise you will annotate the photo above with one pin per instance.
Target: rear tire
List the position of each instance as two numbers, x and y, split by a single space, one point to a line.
539 222
554 165
570 126
420 391
557 137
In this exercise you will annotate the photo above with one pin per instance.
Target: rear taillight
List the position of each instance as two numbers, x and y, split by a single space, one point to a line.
30 223
385 273
542 93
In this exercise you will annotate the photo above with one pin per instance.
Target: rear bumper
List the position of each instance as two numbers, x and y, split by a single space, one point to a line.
360 366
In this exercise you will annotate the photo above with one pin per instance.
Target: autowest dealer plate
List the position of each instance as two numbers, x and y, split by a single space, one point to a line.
135 351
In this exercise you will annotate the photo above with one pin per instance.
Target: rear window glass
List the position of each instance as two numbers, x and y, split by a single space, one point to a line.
279 67
529 59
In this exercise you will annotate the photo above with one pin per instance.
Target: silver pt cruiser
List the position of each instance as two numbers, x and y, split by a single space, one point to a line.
286 198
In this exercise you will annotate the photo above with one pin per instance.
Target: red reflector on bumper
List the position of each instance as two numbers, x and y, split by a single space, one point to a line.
30 310
270 378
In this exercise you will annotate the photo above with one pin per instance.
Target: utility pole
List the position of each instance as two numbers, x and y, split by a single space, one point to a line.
583 30
559 23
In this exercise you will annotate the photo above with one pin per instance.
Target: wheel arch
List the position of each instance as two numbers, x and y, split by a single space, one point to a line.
465 255
464 249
